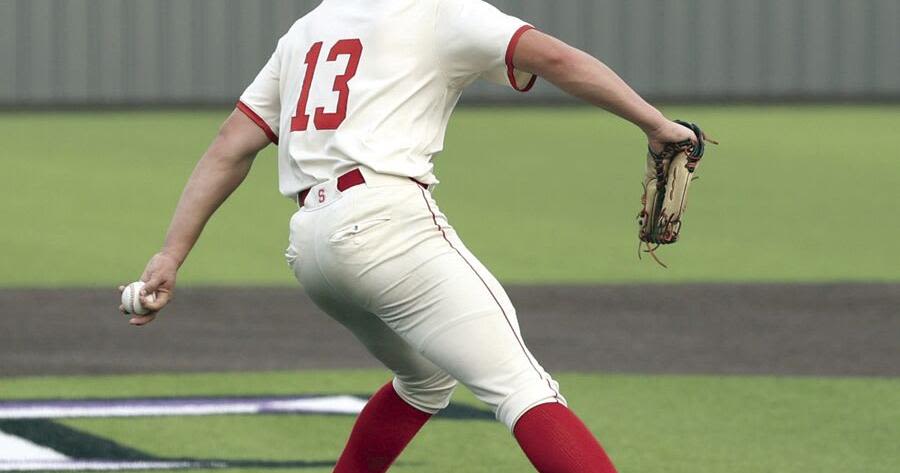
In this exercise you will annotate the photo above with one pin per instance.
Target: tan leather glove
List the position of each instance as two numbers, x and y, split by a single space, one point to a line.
666 184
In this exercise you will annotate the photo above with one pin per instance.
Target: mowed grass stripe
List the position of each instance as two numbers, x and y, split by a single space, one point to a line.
649 423
539 194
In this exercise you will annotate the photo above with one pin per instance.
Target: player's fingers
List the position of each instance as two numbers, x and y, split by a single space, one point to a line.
688 136
122 309
141 320
156 304
151 285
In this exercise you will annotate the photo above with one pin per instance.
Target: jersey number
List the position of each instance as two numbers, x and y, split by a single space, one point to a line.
328 120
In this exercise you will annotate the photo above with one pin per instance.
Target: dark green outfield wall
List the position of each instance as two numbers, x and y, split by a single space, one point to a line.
205 51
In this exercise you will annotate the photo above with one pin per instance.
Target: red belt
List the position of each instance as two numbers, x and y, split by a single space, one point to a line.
344 182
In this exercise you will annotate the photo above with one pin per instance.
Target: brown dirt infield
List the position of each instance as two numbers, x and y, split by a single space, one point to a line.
829 329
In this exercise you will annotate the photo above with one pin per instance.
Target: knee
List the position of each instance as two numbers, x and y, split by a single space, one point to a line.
521 401
428 395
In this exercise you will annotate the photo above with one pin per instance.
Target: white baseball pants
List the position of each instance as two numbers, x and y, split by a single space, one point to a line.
381 259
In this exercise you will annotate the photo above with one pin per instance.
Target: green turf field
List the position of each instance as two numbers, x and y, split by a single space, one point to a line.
541 195
661 424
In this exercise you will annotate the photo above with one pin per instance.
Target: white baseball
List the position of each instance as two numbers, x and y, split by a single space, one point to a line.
131 299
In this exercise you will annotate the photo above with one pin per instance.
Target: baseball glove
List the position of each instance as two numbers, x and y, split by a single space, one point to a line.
666 183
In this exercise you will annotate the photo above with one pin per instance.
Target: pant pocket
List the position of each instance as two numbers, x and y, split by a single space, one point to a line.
356 232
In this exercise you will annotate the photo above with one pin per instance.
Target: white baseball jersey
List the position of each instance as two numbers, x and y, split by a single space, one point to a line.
373 83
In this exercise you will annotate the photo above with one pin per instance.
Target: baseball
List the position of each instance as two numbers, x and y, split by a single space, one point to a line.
131 299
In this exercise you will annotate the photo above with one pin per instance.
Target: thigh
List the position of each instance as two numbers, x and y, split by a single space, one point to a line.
380 340
464 323
420 280
307 236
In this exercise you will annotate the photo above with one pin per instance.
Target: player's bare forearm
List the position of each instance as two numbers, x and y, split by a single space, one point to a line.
584 76
218 173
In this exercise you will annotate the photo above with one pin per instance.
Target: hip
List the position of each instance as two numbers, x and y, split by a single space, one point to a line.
340 234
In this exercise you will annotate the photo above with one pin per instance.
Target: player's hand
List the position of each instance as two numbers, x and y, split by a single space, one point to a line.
669 132
159 278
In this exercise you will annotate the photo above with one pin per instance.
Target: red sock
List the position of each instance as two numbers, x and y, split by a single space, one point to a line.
556 441
383 429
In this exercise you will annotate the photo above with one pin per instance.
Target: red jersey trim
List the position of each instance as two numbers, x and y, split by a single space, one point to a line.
258 120
510 67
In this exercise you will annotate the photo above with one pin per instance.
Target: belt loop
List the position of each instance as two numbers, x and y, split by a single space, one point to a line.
301 197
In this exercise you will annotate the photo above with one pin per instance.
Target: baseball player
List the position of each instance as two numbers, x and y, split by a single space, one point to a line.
357 96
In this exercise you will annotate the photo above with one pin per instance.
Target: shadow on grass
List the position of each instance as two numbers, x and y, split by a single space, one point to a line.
81 445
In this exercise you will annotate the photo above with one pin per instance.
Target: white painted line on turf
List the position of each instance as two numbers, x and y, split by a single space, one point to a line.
78 465
327 405
19 449
60 413
346 405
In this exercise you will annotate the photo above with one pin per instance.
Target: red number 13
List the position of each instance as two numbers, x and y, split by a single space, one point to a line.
328 120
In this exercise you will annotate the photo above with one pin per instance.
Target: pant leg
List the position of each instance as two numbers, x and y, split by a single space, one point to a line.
417 380
413 272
